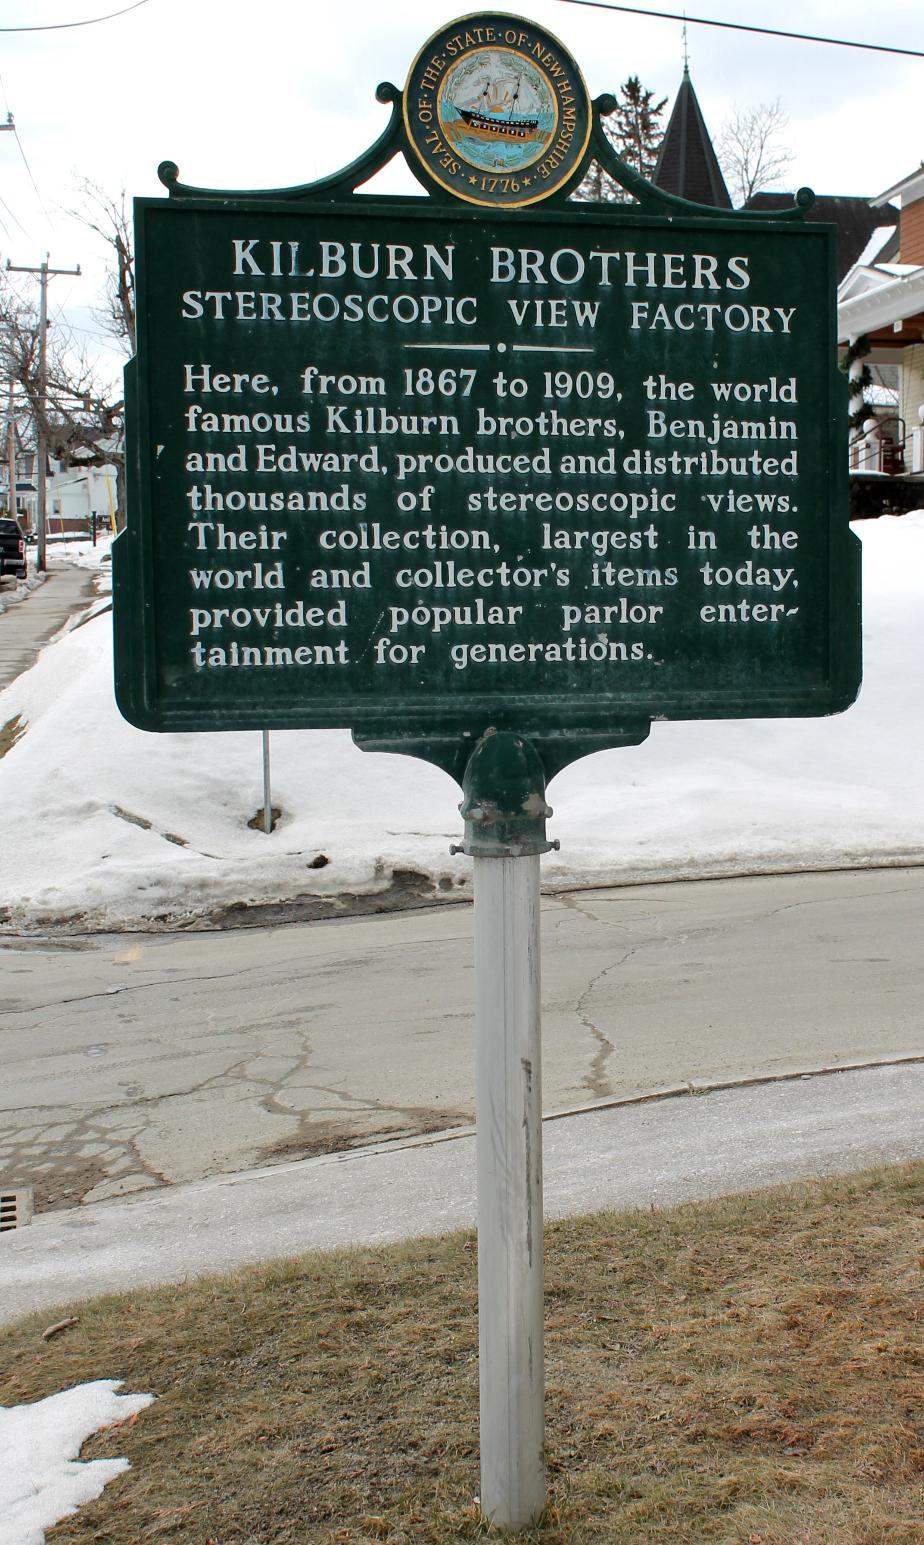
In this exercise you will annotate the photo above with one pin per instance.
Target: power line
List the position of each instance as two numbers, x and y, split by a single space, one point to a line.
31 178
58 317
60 26
737 26
26 165
10 128
98 333
28 235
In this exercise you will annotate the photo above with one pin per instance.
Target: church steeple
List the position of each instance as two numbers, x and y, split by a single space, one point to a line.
687 164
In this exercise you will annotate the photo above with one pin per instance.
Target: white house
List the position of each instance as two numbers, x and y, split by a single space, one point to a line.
74 491
75 495
881 304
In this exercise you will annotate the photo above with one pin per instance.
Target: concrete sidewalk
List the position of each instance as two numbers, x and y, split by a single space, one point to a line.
29 623
651 1153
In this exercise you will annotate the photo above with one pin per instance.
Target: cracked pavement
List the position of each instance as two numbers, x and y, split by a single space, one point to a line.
134 1062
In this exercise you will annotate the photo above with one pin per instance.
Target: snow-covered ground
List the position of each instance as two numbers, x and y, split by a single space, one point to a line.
41 1478
111 827
11 592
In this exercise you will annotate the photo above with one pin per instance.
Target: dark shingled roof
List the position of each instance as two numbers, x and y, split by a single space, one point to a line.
855 220
687 163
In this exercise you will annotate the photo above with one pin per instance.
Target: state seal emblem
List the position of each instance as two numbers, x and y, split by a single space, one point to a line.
496 111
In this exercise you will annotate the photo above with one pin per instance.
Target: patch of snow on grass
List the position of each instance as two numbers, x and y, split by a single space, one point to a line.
41 1478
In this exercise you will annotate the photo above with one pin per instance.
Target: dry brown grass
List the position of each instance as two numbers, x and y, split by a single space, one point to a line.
748 1372
10 732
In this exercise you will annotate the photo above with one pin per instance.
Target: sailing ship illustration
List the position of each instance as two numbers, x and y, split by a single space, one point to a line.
494 114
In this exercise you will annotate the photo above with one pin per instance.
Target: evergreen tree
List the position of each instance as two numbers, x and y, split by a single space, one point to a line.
635 132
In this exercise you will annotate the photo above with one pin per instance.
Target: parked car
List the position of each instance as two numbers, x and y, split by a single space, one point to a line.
12 548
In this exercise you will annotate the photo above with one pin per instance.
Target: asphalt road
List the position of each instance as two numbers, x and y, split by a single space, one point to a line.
132 1063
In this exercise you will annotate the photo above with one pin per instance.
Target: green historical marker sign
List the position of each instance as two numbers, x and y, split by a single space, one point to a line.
417 466
493 478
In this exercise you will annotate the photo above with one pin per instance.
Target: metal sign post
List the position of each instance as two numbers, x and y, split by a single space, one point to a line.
494 479
267 795
505 814
509 1145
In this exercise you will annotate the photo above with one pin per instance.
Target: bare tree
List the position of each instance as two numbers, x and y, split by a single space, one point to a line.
80 416
75 408
750 149
107 217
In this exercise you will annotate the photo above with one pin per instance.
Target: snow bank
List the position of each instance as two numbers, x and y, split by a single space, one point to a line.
83 554
112 827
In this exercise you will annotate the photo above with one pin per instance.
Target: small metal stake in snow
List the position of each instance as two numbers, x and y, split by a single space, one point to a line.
267 795
505 814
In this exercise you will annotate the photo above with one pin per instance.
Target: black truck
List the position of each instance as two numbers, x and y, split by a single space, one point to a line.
12 548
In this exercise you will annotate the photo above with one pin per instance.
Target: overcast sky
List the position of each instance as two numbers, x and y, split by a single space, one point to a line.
281 92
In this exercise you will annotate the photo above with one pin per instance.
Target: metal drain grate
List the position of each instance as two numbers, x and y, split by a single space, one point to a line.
15 1206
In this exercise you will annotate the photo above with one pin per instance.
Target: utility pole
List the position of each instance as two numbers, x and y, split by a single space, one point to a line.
45 273
11 454
10 128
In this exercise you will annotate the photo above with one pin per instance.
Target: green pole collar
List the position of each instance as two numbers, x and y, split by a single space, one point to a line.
504 805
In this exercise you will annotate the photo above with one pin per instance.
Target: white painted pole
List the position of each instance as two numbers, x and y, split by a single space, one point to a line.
41 483
11 453
267 796
509 1146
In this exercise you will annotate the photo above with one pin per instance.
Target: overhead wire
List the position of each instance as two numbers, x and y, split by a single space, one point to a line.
11 125
57 312
740 26
35 185
97 333
89 21
16 221
28 235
